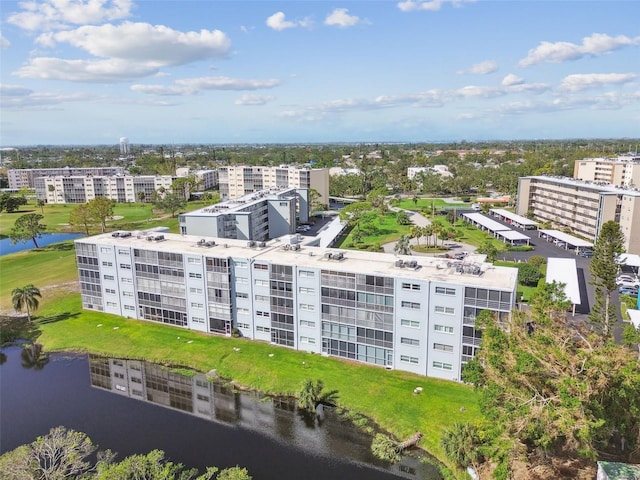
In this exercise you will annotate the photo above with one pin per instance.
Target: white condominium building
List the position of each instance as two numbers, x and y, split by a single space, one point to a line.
258 216
82 189
582 206
25 177
402 312
238 181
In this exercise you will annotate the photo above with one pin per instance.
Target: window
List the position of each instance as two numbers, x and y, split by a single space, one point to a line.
261 283
197 320
242 280
261 298
410 341
109 277
112 304
408 359
261 314
107 264
307 290
307 306
243 325
194 260
307 323
443 366
123 251
243 311
411 305
445 291
195 275
445 310
410 323
242 295
442 347
262 329
105 250
195 290
410 286
443 328
110 290
127 294
261 266
307 273
125 266
196 305
202 398
242 265
129 307
308 340
126 280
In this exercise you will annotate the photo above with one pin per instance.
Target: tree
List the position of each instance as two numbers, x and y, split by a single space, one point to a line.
312 394
403 245
27 227
489 249
461 444
604 269
27 298
82 217
11 203
185 186
171 203
40 204
528 274
385 448
402 218
100 209
141 196
234 473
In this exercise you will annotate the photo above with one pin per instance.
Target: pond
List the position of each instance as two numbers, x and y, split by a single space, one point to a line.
47 239
134 407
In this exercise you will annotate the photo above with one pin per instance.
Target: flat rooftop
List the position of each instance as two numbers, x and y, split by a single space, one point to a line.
600 187
239 203
472 271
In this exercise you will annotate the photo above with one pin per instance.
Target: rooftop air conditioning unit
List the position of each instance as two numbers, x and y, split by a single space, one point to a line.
251 244
262 244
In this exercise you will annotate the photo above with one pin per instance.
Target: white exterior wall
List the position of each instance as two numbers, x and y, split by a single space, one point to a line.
308 309
196 291
437 357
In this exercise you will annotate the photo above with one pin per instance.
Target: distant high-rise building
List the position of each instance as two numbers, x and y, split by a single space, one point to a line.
125 149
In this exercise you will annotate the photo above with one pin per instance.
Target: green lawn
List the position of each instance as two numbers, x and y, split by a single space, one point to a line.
470 234
426 203
134 215
385 229
524 291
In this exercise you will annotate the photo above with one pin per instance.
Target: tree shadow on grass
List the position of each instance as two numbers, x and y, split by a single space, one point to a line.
56 318
56 247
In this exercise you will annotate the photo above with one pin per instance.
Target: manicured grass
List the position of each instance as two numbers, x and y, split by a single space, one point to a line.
426 203
385 229
134 215
50 268
469 234
384 396
524 291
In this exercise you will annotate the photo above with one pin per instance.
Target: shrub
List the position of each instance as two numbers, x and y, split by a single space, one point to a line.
537 261
528 274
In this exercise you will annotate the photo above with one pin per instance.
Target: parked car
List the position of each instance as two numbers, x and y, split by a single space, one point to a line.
586 253
627 281
632 291
303 228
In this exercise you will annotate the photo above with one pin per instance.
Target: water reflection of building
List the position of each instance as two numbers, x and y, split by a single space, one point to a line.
216 401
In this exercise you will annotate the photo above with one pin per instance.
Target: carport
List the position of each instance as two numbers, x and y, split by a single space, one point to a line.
514 219
513 237
634 315
485 223
569 240
629 260
564 270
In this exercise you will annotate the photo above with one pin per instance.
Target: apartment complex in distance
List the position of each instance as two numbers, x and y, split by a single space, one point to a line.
84 188
410 314
258 216
623 171
238 181
582 206
25 177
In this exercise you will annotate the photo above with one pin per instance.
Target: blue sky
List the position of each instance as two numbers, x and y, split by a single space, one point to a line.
207 71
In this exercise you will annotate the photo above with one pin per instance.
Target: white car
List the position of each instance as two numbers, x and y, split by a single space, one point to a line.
627 281
303 228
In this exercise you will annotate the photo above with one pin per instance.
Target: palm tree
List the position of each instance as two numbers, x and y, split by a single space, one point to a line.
427 232
403 246
27 298
311 395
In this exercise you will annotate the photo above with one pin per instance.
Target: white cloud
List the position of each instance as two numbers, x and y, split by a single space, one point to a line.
340 18
511 80
155 45
482 68
56 14
579 82
431 5
107 71
4 43
192 86
34 100
595 45
252 100
278 22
